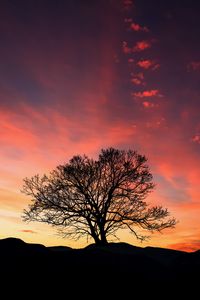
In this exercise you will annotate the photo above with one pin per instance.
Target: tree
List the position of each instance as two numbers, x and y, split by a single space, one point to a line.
97 197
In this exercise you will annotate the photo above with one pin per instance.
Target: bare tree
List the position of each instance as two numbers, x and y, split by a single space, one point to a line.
97 197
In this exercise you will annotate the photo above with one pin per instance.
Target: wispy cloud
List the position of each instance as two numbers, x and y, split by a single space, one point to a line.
28 231
186 246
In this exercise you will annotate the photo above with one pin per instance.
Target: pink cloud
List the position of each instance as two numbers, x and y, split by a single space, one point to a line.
13 133
58 138
30 137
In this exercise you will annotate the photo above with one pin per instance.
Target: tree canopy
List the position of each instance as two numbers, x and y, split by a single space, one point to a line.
96 198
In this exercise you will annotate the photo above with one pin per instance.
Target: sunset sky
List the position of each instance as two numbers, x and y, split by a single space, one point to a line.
78 76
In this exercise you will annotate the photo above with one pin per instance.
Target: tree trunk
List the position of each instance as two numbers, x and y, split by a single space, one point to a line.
93 233
96 239
99 237
103 236
104 241
100 241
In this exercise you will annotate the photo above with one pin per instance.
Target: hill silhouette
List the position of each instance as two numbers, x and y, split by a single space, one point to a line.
120 263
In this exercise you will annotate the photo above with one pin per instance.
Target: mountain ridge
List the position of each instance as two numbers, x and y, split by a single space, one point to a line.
121 262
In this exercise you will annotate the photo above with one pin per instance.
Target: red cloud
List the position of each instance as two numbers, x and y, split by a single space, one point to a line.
147 63
149 93
141 46
194 66
196 139
137 27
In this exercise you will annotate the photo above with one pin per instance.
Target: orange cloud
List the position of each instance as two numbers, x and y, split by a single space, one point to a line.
188 247
147 94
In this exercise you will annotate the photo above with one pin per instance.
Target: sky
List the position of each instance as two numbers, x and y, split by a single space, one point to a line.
79 76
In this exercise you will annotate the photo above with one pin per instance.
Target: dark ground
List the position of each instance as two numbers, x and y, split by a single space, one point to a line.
115 269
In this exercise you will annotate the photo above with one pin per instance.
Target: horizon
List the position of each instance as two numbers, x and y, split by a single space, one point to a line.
78 77
93 243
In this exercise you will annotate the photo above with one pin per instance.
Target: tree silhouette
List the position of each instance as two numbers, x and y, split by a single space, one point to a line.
97 197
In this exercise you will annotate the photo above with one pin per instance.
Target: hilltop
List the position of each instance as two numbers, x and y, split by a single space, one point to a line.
116 262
